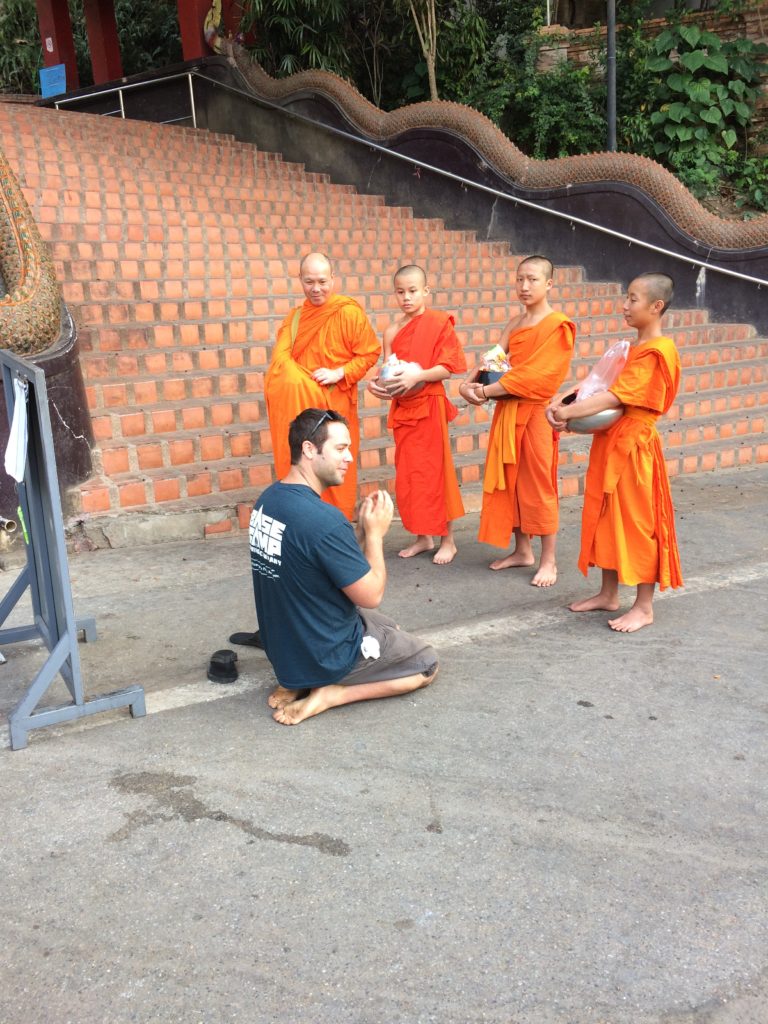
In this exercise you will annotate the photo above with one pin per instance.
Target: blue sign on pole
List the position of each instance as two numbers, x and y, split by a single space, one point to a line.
53 81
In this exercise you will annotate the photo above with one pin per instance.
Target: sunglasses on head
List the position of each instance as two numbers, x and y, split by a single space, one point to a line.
323 418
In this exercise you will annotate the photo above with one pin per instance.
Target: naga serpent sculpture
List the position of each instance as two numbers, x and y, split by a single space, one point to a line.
30 311
504 156
213 27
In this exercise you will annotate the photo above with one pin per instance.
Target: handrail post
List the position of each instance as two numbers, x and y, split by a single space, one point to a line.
192 100
611 75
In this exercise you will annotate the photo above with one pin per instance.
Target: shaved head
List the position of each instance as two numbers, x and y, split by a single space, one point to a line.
316 276
657 287
317 260
412 268
543 262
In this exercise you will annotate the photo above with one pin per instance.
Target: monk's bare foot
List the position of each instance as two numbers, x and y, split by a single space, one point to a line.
517 560
546 576
281 696
315 703
445 553
632 620
599 603
419 545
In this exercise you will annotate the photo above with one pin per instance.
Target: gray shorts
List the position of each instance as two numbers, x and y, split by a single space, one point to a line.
401 654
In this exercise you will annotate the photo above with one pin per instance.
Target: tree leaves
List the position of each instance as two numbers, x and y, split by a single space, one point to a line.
703 95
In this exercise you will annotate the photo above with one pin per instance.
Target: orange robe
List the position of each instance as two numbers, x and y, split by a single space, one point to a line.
426 488
335 334
520 481
628 523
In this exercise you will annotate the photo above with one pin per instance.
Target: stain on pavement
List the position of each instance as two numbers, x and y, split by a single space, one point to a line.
175 799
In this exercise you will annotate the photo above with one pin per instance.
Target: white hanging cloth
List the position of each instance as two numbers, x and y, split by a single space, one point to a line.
16 452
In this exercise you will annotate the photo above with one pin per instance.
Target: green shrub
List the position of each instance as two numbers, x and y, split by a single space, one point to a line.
702 102
294 35
148 31
21 55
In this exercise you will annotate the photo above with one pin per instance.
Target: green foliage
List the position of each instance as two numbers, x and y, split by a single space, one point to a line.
294 35
21 55
633 79
545 105
415 83
148 31
374 31
511 23
149 34
469 70
751 182
702 100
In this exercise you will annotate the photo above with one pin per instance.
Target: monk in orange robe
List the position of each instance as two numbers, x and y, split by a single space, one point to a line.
426 487
520 480
323 349
628 525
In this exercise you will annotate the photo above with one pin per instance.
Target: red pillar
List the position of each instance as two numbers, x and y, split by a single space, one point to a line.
56 37
233 12
191 17
103 41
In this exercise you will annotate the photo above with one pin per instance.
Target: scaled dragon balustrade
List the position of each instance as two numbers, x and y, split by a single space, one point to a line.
30 316
504 156
32 324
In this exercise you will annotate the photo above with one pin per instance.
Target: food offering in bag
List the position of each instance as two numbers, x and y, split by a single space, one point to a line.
493 365
391 366
600 378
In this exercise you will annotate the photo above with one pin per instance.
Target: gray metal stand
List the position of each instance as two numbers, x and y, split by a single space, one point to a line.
46 574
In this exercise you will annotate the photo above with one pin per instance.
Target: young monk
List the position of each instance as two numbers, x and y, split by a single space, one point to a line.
628 524
520 482
426 487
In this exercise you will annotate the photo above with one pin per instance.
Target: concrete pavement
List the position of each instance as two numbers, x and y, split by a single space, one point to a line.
569 827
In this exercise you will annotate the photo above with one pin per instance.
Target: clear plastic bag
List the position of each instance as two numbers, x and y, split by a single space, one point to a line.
605 371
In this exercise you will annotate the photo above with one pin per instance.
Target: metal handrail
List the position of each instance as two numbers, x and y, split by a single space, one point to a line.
704 265
129 86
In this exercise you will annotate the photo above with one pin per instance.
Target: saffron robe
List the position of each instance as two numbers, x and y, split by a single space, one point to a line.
520 480
332 335
426 488
628 522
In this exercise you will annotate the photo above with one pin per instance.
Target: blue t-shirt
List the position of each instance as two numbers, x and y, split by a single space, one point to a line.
303 551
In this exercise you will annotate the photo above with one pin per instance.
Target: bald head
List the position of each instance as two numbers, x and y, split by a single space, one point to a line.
316 275
412 270
657 287
315 260
542 263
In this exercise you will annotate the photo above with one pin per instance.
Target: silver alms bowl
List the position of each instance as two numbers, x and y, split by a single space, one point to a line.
597 422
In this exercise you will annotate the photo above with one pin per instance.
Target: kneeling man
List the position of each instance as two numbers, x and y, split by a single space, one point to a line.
316 589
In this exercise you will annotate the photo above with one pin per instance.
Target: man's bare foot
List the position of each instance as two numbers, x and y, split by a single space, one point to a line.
599 603
546 575
514 561
632 620
315 703
445 553
419 545
281 696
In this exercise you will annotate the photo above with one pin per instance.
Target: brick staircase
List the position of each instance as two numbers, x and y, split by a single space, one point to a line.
178 252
